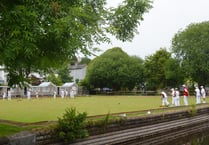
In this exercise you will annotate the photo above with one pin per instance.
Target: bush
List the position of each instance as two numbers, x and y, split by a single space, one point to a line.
193 110
71 126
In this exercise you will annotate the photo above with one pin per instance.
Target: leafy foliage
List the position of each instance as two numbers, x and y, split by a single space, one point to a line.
71 126
131 11
85 60
155 69
37 36
191 48
64 74
60 76
114 69
54 79
173 73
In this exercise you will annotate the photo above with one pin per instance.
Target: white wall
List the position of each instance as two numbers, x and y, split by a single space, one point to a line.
78 73
3 78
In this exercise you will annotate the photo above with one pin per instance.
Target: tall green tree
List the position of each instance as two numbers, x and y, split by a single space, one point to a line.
191 48
155 69
54 79
38 35
173 73
60 76
114 69
64 74
85 60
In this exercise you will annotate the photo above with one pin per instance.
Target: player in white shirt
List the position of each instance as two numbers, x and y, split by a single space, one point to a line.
173 96
164 99
197 93
177 98
203 94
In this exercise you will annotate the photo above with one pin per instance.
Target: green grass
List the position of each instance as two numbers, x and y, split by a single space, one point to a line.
6 129
9 129
48 109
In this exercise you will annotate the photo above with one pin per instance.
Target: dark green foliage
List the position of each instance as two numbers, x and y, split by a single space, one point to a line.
154 69
191 48
161 70
54 79
85 60
173 73
41 35
114 69
71 126
64 74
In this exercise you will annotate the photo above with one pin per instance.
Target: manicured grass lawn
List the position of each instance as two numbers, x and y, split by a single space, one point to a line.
48 109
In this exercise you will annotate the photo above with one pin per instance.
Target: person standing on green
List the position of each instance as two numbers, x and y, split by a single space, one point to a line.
203 94
186 94
164 99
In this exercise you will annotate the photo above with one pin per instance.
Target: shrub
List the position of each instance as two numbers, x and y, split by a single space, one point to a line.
71 126
193 110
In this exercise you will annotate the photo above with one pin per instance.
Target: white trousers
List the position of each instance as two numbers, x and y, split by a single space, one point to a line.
198 100
165 101
186 100
177 101
173 100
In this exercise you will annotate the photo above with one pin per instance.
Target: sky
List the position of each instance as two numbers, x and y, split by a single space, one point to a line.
160 25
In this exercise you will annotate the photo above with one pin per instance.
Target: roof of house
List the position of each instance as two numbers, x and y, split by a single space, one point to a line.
79 66
46 84
36 75
70 84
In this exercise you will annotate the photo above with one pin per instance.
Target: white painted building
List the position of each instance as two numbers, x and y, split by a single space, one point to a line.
3 78
78 71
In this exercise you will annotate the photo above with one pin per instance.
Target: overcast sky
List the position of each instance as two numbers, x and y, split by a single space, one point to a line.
160 24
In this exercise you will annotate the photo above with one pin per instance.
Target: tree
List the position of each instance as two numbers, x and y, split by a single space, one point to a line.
64 74
191 48
85 60
39 35
114 69
136 72
54 79
132 12
173 73
155 69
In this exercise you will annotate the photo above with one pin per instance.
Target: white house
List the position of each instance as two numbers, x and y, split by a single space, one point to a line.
3 78
78 71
